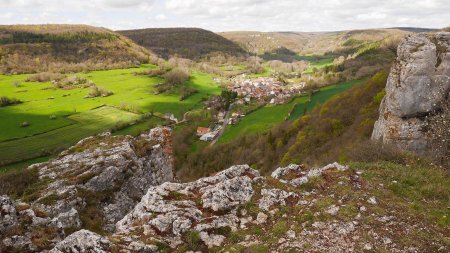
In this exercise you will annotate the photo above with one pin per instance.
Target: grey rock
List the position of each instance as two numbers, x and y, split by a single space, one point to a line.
83 241
212 240
227 194
261 218
418 84
8 214
123 167
271 197
301 176
171 209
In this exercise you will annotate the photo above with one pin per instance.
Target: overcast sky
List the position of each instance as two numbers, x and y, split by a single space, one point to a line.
231 15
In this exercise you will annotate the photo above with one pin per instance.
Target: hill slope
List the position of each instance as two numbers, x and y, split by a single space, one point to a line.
191 43
63 48
310 43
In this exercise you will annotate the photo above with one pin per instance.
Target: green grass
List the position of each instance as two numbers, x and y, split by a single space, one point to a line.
316 62
266 117
259 121
22 165
320 97
75 117
140 127
87 123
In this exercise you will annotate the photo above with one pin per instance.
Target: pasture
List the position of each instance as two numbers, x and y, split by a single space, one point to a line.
266 117
58 117
316 62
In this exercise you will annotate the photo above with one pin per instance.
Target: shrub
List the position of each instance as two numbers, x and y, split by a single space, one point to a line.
44 77
153 72
129 107
16 83
72 82
97 92
176 76
280 228
193 240
186 92
5 101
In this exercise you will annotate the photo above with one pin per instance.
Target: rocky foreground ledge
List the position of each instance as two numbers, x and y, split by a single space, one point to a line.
117 194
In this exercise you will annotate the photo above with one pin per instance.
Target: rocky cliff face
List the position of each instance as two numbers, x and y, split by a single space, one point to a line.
93 184
418 85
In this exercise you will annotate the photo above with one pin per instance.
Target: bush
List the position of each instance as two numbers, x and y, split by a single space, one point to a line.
44 77
153 72
16 83
97 92
72 82
186 92
193 240
5 101
176 76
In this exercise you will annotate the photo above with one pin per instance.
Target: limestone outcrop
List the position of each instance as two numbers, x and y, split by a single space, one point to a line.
418 85
322 209
93 184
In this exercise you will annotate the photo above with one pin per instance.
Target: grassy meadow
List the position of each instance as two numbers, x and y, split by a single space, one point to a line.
58 118
266 117
316 62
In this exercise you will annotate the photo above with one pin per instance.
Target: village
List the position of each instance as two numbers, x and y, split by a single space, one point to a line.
263 89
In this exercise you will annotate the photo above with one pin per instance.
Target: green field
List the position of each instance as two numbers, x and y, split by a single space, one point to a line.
316 62
320 97
265 118
78 117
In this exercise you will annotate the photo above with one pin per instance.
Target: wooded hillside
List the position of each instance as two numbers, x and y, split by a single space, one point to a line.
191 43
65 48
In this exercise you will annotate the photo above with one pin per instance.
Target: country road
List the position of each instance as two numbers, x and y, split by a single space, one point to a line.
225 123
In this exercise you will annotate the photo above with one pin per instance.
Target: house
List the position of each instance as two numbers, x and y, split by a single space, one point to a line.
202 130
209 136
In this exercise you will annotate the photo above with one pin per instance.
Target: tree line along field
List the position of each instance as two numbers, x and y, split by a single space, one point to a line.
58 118
265 118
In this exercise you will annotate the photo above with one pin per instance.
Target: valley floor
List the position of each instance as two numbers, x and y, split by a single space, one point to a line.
58 118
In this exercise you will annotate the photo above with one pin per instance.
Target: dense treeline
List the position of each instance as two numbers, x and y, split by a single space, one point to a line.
332 132
66 37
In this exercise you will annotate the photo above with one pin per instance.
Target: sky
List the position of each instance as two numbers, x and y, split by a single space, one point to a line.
231 15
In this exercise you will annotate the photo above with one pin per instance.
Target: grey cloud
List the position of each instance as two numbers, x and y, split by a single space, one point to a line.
226 15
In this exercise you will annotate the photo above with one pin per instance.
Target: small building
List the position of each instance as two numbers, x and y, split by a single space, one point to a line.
202 130
209 136
170 117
